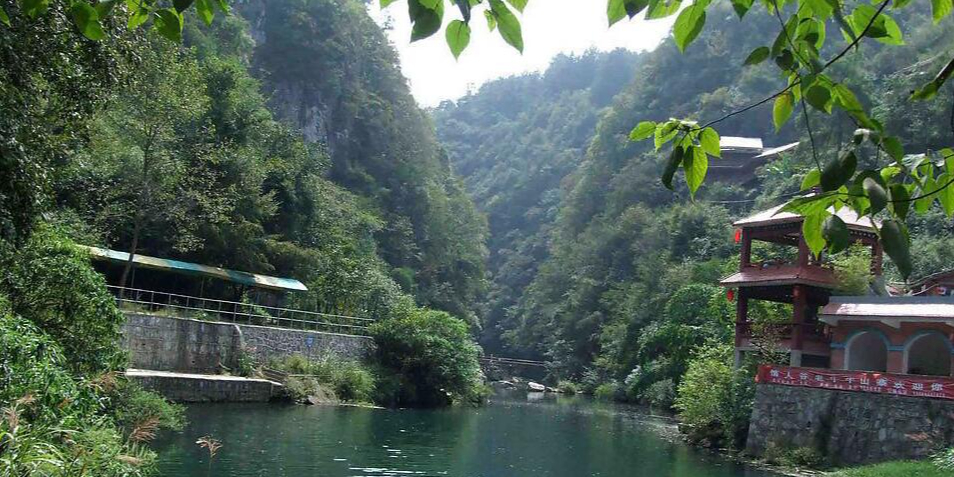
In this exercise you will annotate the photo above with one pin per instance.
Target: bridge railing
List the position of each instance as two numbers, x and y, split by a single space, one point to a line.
185 306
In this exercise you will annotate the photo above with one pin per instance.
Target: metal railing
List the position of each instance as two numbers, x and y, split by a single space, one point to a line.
185 306
512 361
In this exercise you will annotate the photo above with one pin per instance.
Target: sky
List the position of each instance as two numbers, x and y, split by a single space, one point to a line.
550 27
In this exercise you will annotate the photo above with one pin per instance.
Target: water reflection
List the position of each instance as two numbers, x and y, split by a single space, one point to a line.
558 437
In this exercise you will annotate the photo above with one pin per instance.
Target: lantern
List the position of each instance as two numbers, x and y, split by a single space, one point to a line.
738 235
730 294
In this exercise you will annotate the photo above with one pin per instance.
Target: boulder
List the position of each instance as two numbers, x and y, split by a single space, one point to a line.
536 387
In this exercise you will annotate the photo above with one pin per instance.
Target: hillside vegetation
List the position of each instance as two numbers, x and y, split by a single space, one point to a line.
618 290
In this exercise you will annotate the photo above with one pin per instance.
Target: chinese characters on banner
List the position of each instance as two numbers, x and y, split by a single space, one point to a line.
904 385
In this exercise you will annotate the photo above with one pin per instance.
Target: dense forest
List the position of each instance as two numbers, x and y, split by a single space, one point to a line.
292 148
280 139
598 268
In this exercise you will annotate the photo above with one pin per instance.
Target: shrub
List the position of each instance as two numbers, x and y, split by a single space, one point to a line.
567 387
350 380
41 434
714 400
661 393
608 392
132 406
50 282
433 356
944 459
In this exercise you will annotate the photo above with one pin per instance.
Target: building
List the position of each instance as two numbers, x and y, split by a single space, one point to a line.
803 281
911 334
901 335
741 156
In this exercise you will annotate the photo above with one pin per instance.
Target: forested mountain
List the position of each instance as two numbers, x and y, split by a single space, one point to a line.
514 142
282 141
620 288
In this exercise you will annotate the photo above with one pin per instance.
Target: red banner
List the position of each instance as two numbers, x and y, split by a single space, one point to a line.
861 381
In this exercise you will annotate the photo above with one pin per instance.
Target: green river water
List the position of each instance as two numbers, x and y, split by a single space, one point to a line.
512 436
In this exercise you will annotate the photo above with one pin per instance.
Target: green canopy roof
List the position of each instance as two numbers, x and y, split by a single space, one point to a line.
176 266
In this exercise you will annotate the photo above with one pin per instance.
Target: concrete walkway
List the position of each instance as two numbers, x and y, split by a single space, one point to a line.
186 387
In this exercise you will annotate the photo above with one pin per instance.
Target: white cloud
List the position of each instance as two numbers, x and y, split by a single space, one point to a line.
550 27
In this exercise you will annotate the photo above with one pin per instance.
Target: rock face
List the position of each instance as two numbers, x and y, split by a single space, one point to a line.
849 427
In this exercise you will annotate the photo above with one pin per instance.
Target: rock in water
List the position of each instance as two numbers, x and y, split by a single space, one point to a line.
536 387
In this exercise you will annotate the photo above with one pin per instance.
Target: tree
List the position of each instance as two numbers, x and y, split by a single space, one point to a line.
804 56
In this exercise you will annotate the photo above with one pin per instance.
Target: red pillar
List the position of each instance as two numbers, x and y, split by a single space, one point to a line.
746 255
799 307
741 323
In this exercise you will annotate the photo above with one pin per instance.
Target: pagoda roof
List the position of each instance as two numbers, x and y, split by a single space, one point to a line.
787 274
775 216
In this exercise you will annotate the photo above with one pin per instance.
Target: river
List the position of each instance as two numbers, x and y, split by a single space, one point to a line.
512 436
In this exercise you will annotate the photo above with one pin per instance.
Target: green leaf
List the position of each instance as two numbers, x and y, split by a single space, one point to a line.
819 96
709 139
941 9
811 204
784 105
900 200
386 3
929 90
812 231
811 179
224 6
87 20
893 147
491 20
458 37
741 7
34 8
642 131
431 4
3 17
182 5
662 8
664 134
894 238
519 5
104 8
672 165
838 171
946 196
138 17
205 10
688 25
427 21
169 24
757 56
848 101
882 27
836 234
926 195
696 163
876 194
507 24
616 10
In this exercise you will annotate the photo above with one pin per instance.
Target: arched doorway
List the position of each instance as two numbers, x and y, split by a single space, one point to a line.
867 351
928 354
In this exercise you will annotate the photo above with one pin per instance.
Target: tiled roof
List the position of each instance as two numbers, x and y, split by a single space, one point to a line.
773 216
889 307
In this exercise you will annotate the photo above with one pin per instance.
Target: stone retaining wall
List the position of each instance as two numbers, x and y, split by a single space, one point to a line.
164 343
849 427
205 388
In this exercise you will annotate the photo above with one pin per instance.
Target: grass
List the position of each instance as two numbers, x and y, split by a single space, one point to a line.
894 469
